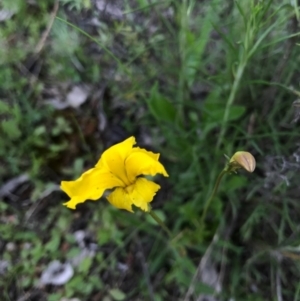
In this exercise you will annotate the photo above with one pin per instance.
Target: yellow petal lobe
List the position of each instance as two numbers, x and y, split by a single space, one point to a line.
113 159
142 150
143 193
142 162
89 186
140 194
120 199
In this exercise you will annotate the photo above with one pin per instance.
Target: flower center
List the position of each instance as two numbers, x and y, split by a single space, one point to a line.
129 188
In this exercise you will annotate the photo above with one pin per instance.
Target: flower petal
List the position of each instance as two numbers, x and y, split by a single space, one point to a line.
90 185
113 159
143 193
120 199
142 162
142 150
140 194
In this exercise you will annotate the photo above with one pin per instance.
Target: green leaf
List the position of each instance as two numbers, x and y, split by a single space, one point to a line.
40 130
203 288
116 294
53 244
54 296
85 265
160 107
235 182
11 129
4 108
214 111
196 45
55 148
236 112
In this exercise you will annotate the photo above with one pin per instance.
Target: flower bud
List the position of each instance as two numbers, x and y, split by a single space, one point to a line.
242 160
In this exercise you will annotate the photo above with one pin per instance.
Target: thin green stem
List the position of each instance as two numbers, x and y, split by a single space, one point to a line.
213 194
145 7
177 253
161 223
235 86
97 42
184 26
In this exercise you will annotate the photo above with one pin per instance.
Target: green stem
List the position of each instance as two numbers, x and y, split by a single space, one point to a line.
161 223
234 89
209 200
183 11
177 253
110 53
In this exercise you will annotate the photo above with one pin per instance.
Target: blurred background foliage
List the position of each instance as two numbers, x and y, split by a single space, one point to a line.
192 80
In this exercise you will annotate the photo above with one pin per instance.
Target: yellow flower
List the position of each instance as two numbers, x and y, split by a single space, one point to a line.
119 167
